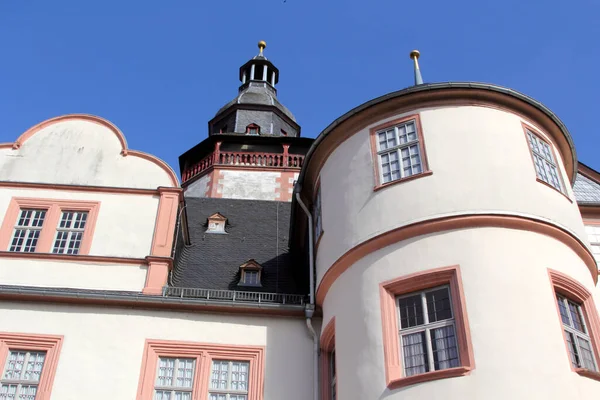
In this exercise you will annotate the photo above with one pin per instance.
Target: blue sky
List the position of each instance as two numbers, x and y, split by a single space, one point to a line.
160 70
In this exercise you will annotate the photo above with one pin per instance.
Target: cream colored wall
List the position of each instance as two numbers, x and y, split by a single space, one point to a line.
516 333
72 274
78 152
102 350
480 162
125 223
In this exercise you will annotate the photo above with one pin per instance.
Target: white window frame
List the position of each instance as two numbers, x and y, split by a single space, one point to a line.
31 233
569 328
426 327
228 392
21 381
72 244
397 148
173 388
245 277
546 167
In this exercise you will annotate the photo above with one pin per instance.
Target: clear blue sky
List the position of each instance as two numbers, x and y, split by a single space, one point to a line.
160 70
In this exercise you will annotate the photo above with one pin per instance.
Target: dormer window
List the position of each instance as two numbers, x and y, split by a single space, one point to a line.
216 223
253 129
250 274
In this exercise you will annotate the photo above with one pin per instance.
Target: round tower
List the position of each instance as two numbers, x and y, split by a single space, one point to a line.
451 259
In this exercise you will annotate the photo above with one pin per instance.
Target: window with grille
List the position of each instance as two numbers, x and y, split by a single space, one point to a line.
229 380
27 230
593 233
332 375
546 168
174 378
251 277
576 334
21 375
427 331
398 152
69 232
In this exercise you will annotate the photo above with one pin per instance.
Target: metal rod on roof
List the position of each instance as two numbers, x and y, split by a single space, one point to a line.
414 55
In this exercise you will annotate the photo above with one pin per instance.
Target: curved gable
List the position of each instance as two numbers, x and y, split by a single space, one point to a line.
81 150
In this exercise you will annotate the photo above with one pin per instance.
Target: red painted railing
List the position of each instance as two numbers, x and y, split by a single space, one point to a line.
244 159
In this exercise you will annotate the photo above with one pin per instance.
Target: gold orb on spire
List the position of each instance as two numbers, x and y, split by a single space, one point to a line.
262 45
415 54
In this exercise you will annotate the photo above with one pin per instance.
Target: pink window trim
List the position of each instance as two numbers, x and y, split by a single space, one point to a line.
389 290
203 353
327 346
54 208
50 344
573 290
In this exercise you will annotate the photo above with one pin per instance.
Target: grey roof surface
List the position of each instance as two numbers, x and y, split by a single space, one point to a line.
255 230
257 95
586 190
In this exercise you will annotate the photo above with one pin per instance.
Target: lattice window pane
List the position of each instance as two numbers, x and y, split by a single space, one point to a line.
22 373
162 395
415 354
27 231
166 368
8 391
185 373
545 164
444 348
576 317
587 357
398 151
220 373
229 380
69 232
564 313
438 305
411 311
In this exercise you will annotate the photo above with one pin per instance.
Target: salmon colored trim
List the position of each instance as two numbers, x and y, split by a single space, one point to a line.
78 188
328 346
589 212
77 258
203 354
391 289
164 229
449 223
50 344
375 158
575 291
543 138
100 121
53 209
591 222
157 275
218 167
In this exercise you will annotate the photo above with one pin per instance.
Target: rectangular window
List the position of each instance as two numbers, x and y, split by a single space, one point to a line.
398 152
593 233
174 378
22 374
27 230
70 232
427 332
229 380
251 278
317 221
546 168
576 334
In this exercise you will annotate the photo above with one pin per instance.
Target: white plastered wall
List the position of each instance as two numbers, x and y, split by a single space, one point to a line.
481 164
102 350
78 152
124 228
251 185
516 333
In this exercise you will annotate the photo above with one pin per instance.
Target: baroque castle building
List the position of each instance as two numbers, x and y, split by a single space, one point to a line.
440 241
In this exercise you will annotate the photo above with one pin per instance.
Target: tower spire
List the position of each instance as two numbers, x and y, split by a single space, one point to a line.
261 46
414 55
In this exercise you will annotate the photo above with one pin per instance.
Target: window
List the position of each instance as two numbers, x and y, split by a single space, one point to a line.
48 226
27 230
427 333
425 327
216 223
69 232
578 340
197 371
253 129
579 322
328 362
27 365
250 274
317 220
229 380
546 168
593 233
398 152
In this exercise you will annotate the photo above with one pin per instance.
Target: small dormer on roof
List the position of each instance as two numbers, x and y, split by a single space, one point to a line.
250 274
216 223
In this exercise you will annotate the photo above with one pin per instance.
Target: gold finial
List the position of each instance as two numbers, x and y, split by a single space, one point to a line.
262 45
415 54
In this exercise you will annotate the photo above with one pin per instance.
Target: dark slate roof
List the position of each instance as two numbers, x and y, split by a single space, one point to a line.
255 230
257 95
586 190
